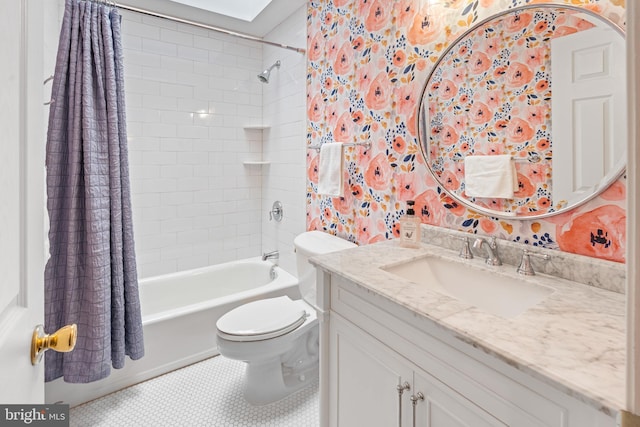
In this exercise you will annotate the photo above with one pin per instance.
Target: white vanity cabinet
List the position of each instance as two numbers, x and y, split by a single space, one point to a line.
372 348
372 386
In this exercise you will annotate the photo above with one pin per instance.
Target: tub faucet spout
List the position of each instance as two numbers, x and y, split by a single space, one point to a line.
271 255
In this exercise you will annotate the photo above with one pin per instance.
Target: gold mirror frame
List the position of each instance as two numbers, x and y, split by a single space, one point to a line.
423 125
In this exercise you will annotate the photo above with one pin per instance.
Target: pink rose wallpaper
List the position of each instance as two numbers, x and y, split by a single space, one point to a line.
498 70
367 64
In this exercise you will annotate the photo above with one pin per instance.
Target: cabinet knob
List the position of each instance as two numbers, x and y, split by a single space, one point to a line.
416 397
402 387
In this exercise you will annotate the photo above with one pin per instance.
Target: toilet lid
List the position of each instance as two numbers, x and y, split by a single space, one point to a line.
261 320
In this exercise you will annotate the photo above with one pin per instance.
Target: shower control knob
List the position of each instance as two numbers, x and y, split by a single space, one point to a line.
302 377
276 212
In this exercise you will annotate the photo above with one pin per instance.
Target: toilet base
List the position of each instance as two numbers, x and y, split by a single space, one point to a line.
266 383
271 380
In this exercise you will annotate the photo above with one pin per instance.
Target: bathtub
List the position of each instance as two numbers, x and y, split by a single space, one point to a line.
179 314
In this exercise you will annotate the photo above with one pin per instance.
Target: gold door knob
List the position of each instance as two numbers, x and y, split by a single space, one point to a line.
62 340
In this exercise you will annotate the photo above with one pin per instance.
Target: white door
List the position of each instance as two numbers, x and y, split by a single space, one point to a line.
21 191
589 120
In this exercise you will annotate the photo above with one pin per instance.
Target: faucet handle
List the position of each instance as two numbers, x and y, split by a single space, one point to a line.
525 268
465 250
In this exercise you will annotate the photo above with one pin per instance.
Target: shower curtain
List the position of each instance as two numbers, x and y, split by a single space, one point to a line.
90 277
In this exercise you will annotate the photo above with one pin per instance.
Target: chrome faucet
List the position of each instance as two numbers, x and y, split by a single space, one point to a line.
525 268
491 248
269 255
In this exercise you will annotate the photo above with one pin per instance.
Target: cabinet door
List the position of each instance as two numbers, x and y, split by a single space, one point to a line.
364 375
444 407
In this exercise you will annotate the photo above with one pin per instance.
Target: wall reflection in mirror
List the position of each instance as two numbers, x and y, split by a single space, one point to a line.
525 114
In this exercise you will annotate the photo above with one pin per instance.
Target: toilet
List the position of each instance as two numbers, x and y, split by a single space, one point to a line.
278 337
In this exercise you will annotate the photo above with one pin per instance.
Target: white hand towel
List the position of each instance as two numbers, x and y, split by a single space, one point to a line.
490 176
330 169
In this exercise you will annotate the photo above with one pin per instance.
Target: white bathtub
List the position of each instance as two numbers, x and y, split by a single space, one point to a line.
179 314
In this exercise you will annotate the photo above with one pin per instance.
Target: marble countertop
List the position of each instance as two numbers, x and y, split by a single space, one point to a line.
574 340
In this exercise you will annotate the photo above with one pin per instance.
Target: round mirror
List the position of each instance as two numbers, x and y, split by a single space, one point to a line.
524 115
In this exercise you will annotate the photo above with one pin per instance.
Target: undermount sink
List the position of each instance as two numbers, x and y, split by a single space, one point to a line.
494 293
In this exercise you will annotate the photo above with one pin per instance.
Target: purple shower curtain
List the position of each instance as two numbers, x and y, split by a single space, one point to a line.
90 277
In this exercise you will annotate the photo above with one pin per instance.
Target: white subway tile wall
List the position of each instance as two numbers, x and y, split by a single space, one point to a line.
284 109
190 93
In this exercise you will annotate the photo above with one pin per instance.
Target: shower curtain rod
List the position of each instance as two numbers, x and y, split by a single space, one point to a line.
209 27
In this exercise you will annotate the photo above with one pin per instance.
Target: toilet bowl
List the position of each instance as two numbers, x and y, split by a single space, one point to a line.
278 337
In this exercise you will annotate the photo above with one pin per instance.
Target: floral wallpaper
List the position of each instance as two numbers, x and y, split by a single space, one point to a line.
491 95
367 63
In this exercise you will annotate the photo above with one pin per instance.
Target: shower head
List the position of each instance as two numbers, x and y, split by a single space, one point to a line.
264 76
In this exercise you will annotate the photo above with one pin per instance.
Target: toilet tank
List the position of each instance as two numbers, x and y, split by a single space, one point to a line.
310 244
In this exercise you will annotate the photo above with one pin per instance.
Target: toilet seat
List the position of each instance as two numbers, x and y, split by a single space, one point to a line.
261 320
